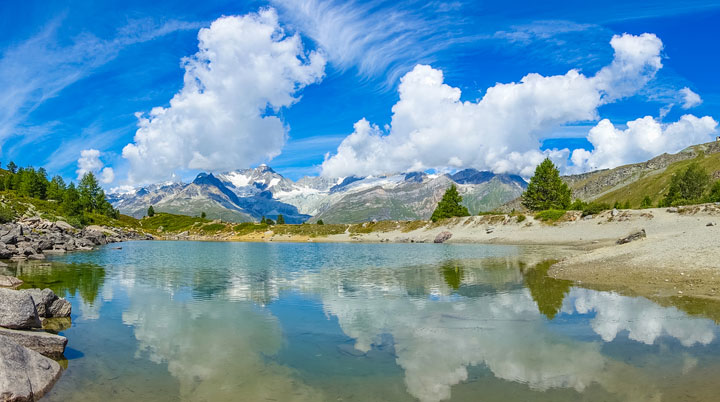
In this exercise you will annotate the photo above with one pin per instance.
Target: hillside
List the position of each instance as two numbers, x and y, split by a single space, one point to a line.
635 181
249 194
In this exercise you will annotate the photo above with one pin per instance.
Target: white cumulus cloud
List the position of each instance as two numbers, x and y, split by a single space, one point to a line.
245 70
690 98
89 161
432 128
643 139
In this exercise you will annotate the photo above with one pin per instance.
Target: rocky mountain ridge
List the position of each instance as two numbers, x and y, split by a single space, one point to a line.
249 194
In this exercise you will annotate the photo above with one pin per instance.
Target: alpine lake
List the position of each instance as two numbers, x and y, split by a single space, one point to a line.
223 321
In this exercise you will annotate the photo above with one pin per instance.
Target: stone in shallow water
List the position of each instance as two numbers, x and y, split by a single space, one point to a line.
25 375
17 310
45 343
9 281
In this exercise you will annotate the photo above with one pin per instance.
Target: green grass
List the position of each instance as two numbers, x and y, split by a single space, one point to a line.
171 222
213 227
310 230
550 215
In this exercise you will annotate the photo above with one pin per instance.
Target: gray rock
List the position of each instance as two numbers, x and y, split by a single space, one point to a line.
442 237
62 225
614 212
710 224
25 375
45 244
45 343
9 281
672 210
36 257
632 237
43 299
17 310
60 308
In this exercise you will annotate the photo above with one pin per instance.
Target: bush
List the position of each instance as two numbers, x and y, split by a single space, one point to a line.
688 186
521 218
595 208
546 189
577 205
320 222
715 192
646 203
550 215
6 214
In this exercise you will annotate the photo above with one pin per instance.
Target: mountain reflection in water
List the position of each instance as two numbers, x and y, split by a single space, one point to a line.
370 322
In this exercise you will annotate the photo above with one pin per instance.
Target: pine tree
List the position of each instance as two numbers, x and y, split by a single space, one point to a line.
203 215
546 189
151 211
449 206
320 222
715 192
263 220
71 201
280 220
89 190
12 167
56 188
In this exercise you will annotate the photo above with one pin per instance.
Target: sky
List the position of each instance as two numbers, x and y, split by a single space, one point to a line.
143 92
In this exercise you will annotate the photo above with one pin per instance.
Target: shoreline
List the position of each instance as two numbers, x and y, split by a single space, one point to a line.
679 257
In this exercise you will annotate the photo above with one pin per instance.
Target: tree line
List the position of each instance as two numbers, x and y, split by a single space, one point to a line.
74 201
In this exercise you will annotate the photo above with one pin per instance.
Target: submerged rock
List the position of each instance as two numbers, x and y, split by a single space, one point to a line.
17 310
45 343
9 281
25 375
442 237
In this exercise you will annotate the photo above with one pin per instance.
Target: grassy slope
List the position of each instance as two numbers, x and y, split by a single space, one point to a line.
656 184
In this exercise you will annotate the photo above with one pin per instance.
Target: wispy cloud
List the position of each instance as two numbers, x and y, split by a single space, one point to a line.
375 38
40 67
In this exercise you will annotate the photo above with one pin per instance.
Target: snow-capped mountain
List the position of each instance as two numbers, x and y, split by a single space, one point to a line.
250 194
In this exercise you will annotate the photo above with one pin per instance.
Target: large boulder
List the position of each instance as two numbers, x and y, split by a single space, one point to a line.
45 343
59 308
48 304
64 226
25 375
442 237
17 310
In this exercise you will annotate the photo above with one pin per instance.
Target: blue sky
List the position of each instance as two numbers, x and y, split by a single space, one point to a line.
74 74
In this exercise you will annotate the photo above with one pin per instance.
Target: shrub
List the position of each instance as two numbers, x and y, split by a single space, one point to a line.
595 208
688 186
320 222
714 195
520 218
550 215
6 214
577 205
646 202
546 189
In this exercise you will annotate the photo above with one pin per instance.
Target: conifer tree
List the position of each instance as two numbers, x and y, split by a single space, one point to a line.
546 189
263 220
687 186
12 167
280 220
89 190
56 188
449 206
151 211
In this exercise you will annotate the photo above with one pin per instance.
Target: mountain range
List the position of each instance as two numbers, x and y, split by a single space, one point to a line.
249 194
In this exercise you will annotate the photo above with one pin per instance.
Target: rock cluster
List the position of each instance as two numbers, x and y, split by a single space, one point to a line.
26 372
32 238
